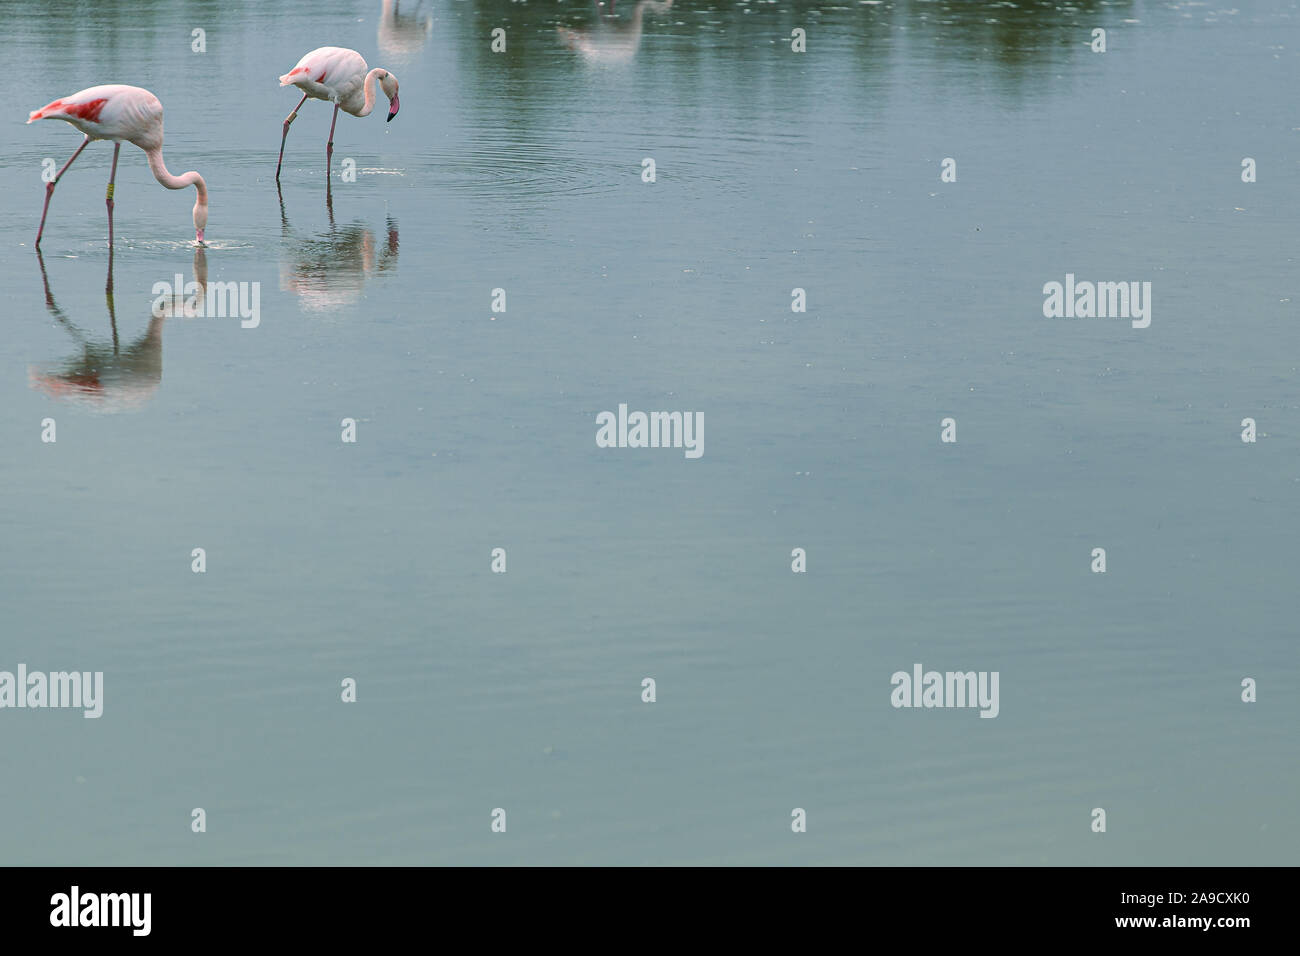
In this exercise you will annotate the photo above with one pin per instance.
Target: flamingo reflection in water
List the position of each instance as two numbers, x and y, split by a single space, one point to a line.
105 375
330 270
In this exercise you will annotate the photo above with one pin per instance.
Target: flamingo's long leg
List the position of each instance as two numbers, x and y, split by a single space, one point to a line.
329 145
108 200
285 135
49 189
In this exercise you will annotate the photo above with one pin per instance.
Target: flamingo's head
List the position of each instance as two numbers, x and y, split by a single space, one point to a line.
200 208
388 83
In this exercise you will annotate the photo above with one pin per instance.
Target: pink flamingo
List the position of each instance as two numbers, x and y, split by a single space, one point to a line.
119 113
337 75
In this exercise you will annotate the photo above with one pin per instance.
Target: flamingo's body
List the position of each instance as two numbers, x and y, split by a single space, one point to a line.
339 76
120 114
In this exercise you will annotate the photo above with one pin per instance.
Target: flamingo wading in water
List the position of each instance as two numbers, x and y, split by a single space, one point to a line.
337 75
120 114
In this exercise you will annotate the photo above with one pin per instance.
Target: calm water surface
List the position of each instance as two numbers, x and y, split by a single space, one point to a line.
522 171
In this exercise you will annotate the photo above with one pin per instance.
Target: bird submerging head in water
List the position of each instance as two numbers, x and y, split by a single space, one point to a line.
120 114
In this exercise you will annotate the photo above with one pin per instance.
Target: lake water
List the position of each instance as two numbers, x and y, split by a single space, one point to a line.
476 429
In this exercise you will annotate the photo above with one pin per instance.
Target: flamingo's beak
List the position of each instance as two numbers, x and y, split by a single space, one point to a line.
392 110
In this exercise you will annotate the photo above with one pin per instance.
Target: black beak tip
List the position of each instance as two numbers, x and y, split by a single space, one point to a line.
390 117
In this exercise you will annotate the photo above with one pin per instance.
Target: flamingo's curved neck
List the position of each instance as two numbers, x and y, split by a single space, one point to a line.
161 174
191 178
371 82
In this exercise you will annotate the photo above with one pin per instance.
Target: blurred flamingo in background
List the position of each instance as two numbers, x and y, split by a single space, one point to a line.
402 34
120 113
337 75
611 40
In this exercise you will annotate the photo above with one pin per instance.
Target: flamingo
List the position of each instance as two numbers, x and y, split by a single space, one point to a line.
337 75
120 113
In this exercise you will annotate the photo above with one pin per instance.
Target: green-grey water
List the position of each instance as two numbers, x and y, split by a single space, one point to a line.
523 171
